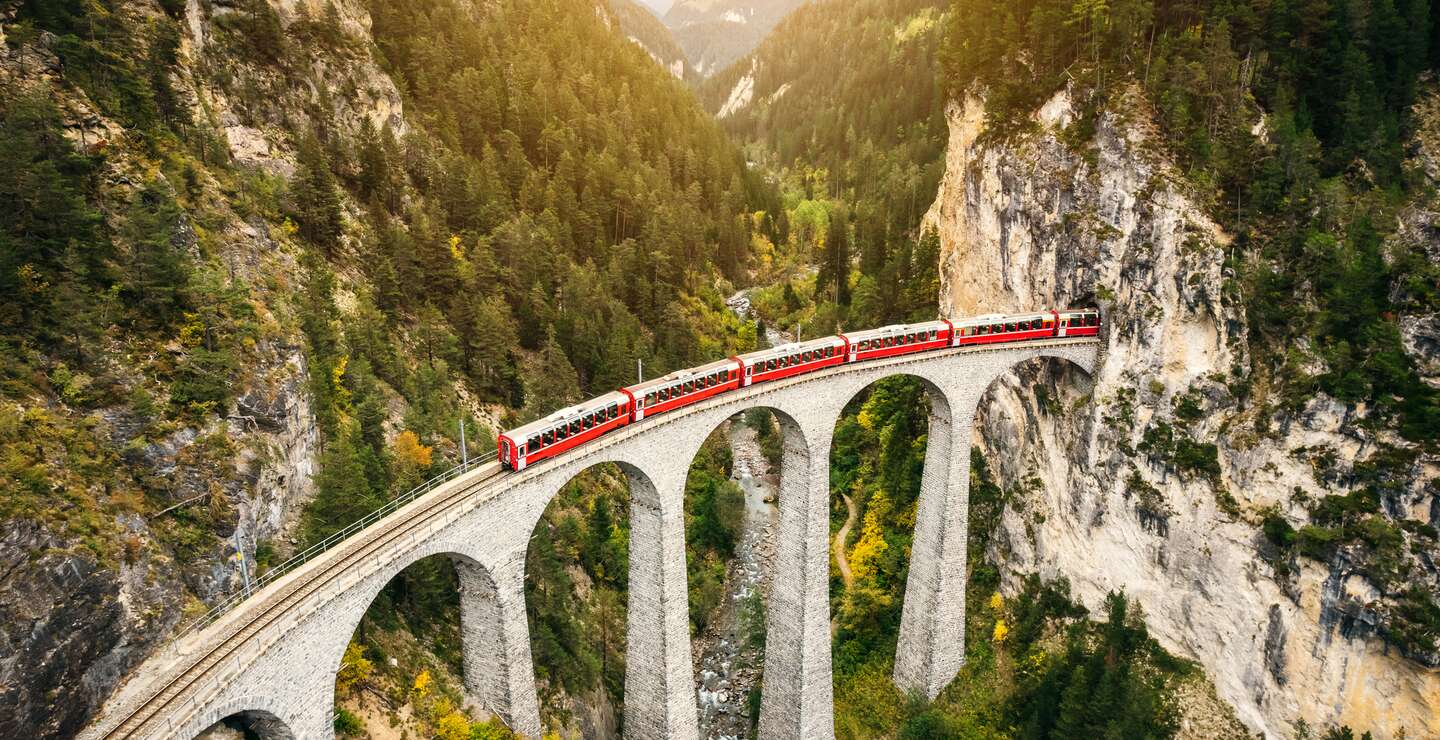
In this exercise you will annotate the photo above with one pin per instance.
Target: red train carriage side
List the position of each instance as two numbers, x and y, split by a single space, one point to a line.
898 339
1077 322
791 359
997 328
563 430
683 387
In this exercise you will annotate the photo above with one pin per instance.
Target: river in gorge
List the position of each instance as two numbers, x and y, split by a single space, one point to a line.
727 658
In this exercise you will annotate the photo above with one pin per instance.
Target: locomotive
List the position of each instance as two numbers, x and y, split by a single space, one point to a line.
574 426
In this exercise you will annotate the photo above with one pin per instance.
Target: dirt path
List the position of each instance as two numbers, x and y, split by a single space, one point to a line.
840 537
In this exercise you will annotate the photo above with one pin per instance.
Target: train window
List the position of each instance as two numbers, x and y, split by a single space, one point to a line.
805 356
1094 319
910 338
588 421
687 386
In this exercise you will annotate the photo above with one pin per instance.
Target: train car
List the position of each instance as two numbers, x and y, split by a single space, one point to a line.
792 359
563 430
898 339
997 328
683 387
1077 322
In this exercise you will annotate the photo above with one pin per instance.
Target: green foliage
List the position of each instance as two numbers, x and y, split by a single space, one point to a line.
859 146
55 261
1102 685
877 457
579 644
527 197
714 513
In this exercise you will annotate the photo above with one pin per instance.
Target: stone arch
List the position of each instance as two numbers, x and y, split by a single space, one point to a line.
941 433
932 630
246 715
1061 366
642 494
792 467
489 629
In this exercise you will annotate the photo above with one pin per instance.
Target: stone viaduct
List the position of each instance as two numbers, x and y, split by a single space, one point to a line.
276 654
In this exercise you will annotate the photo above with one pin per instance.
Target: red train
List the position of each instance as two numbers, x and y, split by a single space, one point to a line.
576 425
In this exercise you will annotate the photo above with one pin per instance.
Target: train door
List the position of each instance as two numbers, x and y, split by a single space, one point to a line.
520 456
1064 322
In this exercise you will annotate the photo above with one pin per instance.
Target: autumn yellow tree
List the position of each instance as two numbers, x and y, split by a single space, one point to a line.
412 459
355 669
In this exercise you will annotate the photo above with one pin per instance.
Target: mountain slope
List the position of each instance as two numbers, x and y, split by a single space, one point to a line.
248 286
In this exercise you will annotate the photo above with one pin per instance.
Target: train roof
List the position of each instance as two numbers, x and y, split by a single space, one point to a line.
991 318
566 414
886 331
791 348
680 376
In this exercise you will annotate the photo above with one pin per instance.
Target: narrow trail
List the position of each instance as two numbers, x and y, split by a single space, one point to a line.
838 546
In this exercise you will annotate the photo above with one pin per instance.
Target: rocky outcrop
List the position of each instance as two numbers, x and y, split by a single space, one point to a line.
1116 483
71 626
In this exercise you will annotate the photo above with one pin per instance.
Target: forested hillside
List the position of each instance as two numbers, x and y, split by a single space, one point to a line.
856 145
257 238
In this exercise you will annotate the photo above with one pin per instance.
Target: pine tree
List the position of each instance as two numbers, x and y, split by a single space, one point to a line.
551 382
316 198
156 271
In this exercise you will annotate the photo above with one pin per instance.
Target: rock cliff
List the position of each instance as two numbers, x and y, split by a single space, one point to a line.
78 612
1155 475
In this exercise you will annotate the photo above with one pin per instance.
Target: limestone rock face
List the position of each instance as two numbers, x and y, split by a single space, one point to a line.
1114 485
47 588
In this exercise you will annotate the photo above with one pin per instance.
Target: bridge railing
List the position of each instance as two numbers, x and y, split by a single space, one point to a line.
311 552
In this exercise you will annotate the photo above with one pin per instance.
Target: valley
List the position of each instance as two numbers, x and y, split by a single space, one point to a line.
264 261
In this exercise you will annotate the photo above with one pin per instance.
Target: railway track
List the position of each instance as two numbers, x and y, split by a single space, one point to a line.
277 605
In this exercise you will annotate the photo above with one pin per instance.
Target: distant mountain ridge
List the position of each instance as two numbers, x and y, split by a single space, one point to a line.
643 26
716 33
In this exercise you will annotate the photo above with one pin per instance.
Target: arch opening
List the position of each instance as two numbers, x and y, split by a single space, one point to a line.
254 724
890 436
732 498
576 599
417 661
